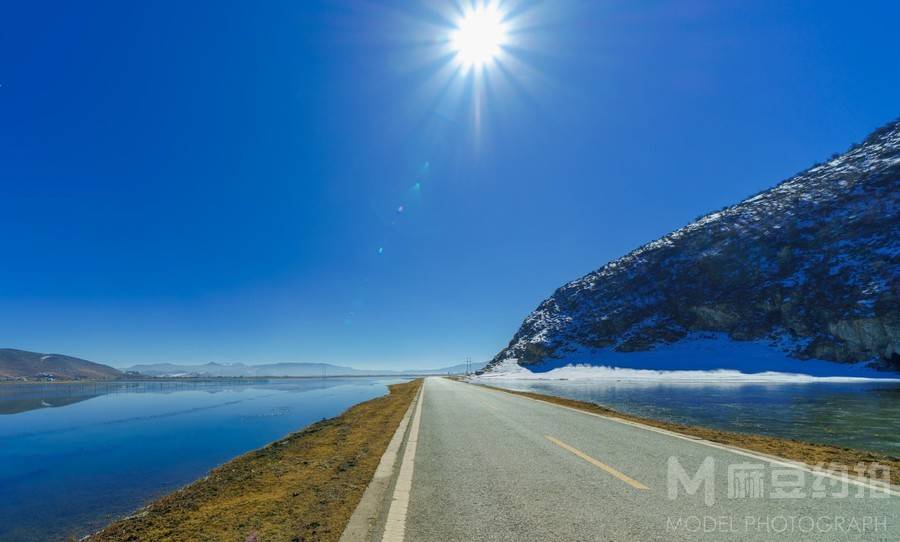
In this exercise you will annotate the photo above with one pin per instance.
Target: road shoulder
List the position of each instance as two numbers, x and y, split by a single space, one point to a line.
369 516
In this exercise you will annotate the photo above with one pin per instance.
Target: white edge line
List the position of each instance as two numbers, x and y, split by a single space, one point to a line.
358 527
395 525
771 459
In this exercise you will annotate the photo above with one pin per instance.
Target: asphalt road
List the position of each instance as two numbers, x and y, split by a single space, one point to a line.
487 465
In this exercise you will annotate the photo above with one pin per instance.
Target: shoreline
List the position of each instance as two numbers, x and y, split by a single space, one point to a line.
304 486
203 379
809 453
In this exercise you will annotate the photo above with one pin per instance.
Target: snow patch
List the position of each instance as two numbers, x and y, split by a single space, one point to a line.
699 357
591 372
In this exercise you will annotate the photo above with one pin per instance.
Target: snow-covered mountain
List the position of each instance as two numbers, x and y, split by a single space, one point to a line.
810 268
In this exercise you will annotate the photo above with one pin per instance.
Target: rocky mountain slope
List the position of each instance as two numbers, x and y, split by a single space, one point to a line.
811 266
20 364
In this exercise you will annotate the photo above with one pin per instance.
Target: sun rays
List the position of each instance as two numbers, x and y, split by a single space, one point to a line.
479 35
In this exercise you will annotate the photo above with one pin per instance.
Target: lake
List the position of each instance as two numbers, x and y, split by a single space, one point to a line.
864 415
75 456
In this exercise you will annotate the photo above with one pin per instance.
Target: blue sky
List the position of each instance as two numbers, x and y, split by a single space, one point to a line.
211 181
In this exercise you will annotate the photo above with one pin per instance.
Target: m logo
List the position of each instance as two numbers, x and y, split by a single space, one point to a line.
705 477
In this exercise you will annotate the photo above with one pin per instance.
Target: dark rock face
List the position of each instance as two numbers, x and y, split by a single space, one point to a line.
815 260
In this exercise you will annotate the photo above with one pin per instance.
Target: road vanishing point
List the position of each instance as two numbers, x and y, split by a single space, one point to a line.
471 463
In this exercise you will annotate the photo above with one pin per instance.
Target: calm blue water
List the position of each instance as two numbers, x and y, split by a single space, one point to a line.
74 456
861 415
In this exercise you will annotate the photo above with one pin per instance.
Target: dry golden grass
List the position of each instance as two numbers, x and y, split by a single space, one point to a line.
795 450
301 488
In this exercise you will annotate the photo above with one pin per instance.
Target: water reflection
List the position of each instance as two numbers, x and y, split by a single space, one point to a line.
15 406
16 398
74 456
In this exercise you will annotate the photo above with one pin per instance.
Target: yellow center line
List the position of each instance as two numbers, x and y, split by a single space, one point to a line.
625 478
490 406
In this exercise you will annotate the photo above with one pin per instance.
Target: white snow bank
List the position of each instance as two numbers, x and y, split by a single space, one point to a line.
699 358
591 372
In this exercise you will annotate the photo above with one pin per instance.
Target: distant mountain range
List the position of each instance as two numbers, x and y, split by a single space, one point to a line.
20 364
811 267
242 370
23 365
280 369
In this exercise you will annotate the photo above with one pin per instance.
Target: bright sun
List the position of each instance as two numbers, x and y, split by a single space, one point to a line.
479 36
